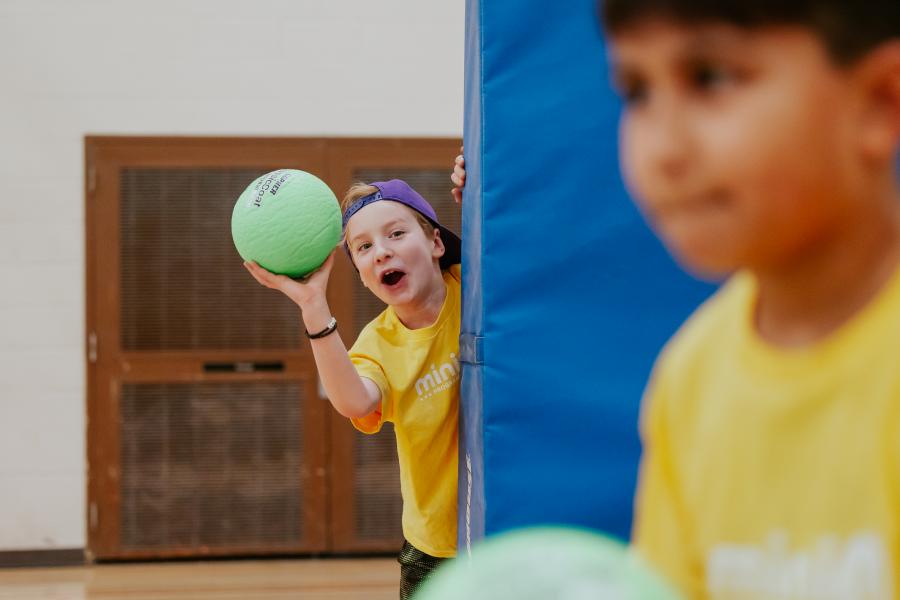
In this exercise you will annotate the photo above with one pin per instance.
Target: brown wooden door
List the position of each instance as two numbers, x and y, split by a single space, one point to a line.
205 426
365 512
207 432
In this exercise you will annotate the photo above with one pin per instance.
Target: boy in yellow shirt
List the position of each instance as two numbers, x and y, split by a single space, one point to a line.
760 139
404 366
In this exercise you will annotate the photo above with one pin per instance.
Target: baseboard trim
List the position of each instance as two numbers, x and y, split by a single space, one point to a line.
64 557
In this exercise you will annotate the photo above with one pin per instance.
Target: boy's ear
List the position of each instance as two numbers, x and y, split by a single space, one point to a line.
439 248
879 78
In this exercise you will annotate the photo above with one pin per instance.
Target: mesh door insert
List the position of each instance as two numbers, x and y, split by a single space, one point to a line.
182 286
211 465
378 506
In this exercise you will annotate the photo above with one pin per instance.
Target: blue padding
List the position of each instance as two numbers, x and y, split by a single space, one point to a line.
471 452
570 293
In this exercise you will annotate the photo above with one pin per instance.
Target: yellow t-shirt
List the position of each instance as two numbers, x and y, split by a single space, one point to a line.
774 474
417 371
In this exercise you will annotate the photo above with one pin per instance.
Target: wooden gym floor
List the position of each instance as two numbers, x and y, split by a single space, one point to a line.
301 579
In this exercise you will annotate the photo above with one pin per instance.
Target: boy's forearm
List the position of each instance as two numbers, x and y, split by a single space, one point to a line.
345 388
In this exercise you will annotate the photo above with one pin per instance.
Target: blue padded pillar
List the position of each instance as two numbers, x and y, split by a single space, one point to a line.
567 296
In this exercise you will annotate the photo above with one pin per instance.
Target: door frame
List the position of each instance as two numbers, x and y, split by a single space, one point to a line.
328 437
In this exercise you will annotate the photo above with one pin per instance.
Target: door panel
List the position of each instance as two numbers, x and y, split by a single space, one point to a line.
203 407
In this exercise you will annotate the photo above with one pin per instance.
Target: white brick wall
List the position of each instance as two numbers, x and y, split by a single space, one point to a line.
161 67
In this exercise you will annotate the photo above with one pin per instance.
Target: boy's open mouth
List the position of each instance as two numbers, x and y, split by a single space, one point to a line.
391 278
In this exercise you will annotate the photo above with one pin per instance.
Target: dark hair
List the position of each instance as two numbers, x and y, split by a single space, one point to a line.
848 28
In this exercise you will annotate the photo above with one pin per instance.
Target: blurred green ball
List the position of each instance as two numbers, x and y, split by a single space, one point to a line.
546 563
288 221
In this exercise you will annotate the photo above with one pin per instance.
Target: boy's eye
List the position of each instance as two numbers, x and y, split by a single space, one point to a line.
634 94
708 76
397 233
632 90
363 246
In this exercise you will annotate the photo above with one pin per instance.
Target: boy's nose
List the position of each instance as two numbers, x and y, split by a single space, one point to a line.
382 252
671 145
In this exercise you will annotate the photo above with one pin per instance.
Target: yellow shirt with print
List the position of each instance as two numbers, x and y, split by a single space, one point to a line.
773 474
417 371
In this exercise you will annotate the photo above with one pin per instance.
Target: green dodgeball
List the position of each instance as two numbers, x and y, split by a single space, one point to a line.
288 221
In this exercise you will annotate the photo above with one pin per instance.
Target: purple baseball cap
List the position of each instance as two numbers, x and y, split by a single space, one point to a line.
398 190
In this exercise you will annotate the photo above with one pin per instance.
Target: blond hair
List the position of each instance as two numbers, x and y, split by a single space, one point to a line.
361 190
